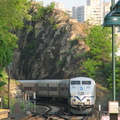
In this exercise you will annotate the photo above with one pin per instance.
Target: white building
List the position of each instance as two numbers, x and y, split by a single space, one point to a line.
69 12
93 2
93 11
61 6
74 12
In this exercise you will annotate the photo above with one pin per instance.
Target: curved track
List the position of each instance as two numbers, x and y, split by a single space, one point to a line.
55 111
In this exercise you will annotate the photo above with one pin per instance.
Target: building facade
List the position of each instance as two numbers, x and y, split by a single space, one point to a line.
93 12
61 6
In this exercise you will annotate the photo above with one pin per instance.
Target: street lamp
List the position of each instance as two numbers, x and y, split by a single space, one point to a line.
112 19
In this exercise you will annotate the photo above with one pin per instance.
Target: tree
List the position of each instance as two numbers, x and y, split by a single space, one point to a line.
117 76
99 40
40 11
89 68
12 16
98 64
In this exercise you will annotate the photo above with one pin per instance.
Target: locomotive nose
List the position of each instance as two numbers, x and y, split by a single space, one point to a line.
88 101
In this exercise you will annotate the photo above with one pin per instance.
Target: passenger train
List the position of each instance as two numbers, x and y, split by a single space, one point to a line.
78 92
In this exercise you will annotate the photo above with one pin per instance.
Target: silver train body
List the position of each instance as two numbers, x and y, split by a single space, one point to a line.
78 91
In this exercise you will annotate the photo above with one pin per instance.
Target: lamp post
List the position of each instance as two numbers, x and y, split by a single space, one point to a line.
113 63
113 56
112 19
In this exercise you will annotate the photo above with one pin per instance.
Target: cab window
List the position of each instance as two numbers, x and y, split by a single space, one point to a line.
75 82
86 82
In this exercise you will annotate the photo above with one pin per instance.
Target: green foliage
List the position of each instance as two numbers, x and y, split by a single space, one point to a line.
2 83
74 42
12 16
3 76
99 41
5 101
42 11
98 59
50 7
77 56
12 13
66 14
29 28
117 76
89 68
55 26
51 20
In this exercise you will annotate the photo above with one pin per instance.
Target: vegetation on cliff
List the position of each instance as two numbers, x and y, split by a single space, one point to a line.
12 16
40 11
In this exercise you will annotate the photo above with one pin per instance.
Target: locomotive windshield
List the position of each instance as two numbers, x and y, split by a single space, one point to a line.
86 82
75 82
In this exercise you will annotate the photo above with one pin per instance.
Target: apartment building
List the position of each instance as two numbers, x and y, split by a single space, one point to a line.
61 6
93 11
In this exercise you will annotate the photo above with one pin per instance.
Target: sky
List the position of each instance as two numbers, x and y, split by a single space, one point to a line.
69 3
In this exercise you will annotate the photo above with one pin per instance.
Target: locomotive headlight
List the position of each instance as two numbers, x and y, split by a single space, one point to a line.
80 93
88 100
74 100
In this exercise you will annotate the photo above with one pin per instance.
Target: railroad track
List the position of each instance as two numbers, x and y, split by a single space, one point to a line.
55 112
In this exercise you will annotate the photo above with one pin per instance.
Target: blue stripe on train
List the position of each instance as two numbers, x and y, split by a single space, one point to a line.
82 98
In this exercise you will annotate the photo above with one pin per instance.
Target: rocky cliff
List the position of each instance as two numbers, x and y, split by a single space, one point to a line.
50 47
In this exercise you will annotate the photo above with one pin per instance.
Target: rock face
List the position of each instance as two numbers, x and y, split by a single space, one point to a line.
51 49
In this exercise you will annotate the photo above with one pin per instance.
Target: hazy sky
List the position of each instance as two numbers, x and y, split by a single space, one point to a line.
70 3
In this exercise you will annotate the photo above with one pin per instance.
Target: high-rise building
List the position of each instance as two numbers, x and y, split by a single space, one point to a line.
93 11
74 12
93 2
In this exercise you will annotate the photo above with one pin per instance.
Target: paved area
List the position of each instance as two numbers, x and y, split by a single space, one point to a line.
21 115
16 116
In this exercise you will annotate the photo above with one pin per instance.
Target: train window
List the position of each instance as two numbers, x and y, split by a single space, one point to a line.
62 89
53 88
28 88
86 82
75 82
42 88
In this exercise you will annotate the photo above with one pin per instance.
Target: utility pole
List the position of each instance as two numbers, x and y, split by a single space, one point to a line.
8 93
